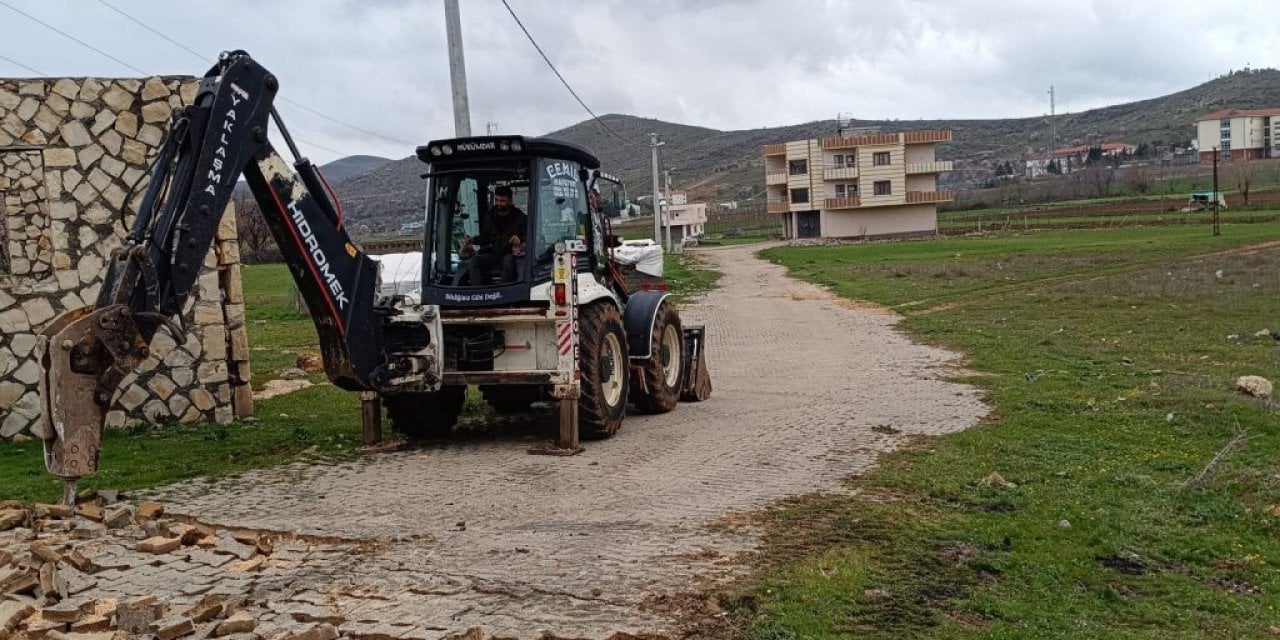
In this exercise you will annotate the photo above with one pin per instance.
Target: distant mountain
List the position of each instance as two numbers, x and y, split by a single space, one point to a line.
726 165
350 167
336 171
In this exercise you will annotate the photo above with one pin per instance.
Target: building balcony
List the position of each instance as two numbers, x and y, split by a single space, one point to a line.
843 173
920 137
777 206
843 203
937 166
778 149
775 177
858 141
925 197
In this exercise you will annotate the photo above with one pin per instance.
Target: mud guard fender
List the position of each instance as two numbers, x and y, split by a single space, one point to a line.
638 319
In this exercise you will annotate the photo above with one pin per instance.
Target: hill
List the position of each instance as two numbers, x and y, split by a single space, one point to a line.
726 165
350 167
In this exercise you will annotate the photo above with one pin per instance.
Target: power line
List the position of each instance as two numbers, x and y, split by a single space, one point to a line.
107 55
320 146
345 124
295 103
69 36
154 30
563 81
19 64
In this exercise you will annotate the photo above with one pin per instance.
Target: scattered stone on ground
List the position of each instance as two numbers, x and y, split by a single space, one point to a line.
1256 386
618 543
273 388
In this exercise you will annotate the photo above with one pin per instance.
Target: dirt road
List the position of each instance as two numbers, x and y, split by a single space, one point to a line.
482 534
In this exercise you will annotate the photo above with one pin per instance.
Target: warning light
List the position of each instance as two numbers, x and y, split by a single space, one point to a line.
561 294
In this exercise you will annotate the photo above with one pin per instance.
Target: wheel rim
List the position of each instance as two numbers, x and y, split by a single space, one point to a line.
611 374
670 354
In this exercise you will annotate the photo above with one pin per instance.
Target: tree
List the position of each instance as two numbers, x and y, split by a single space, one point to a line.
1241 173
256 242
1139 180
1100 178
1095 154
1054 167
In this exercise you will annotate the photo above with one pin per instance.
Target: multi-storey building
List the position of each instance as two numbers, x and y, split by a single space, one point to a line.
1238 134
880 184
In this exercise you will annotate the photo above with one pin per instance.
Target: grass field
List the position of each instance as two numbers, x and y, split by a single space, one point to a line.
1109 358
319 421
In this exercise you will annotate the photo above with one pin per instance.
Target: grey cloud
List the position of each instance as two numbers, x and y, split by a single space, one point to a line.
724 64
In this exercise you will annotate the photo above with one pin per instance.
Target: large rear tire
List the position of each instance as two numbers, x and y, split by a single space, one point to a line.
662 377
511 398
602 360
421 416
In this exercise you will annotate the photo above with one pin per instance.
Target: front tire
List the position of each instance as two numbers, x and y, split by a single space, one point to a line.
602 361
663 374
421 416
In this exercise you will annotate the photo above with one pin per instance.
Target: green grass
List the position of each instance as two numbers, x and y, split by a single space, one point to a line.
1107 360
688 277
319 421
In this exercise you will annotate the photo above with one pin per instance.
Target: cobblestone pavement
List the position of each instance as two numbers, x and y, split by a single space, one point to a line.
479 533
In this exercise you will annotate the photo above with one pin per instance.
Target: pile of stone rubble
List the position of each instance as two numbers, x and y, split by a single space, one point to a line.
112 571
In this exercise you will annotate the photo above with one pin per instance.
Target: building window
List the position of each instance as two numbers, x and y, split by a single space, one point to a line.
1225 123
839 159
880 158
799 196
839 191
883 188
798 167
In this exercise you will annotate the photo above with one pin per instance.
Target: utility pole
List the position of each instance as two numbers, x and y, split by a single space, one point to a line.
1053 128
666 219
657 192
490 127
457 70
1217 228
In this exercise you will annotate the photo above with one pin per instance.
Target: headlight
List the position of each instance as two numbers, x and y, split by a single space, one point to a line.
448 149
505 146
435 151
516 146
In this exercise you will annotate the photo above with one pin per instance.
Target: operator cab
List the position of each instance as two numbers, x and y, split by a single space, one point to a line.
496 208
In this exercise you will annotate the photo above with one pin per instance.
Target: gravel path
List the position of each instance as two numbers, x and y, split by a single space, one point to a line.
479 533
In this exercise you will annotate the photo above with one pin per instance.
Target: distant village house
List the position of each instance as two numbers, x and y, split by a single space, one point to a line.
687 220
1069 159
864 186
1237 134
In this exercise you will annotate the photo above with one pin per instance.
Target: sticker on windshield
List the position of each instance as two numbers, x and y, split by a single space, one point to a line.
563 177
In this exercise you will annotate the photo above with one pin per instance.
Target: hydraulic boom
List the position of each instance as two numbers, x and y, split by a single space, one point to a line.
85 353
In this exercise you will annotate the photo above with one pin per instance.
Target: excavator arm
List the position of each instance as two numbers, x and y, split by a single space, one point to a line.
85 353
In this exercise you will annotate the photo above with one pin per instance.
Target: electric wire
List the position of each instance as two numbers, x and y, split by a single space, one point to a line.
154 30
69 36
566 82
295 103
20 65
122 62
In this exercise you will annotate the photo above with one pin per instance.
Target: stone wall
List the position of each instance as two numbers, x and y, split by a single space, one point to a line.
72 152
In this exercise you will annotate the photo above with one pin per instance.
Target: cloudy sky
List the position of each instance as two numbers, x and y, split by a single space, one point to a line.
381 65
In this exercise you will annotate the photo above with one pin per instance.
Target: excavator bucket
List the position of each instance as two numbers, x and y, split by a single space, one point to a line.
72 412
84 354
697 380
